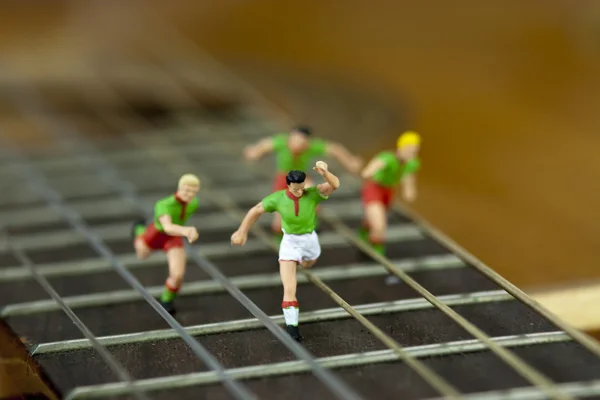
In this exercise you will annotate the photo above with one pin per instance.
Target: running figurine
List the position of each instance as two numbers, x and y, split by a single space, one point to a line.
381 175
295 151
166 231
297 205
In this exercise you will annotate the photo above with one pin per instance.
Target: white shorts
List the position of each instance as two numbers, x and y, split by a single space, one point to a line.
299 248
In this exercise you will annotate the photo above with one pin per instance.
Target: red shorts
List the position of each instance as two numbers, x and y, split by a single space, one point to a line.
372 192
279 183
157 240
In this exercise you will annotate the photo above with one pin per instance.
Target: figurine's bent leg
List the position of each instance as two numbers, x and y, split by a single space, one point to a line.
375 200
177 260
288 260
375 214
142 251
142 239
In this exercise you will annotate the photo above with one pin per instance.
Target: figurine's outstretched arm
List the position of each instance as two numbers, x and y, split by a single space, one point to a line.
371 169
348 160
172 229
240 236
259 149
251 217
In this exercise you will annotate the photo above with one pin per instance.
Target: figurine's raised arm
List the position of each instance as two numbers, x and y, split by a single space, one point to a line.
332 182
259 149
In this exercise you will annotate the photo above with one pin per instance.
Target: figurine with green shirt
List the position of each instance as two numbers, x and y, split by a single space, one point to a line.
297 205
383 173
165 233
296 150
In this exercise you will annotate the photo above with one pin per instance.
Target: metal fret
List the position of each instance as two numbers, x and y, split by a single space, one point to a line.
334 362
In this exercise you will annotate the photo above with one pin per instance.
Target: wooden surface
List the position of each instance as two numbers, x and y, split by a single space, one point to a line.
18 375
505 94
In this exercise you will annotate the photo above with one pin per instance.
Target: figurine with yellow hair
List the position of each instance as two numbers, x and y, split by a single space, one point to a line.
386 170
166 231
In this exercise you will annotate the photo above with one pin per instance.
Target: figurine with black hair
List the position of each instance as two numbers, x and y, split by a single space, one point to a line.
297 206
295 151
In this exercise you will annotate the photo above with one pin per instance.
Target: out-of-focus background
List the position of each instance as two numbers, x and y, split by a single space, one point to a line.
506 95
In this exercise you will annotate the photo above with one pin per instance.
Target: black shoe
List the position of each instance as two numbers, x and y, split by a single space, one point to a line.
168 306
134 227
294 332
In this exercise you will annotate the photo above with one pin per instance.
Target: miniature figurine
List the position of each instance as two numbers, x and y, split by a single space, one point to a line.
166 231
381 175
297 205
295 151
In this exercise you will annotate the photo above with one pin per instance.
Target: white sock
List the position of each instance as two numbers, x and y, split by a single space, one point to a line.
291 311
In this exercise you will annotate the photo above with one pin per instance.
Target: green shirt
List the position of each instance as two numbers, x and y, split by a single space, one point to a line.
179 212
297 213
394 170
287 161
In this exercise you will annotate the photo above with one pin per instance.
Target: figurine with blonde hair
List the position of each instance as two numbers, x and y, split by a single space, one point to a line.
386 170
166 231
